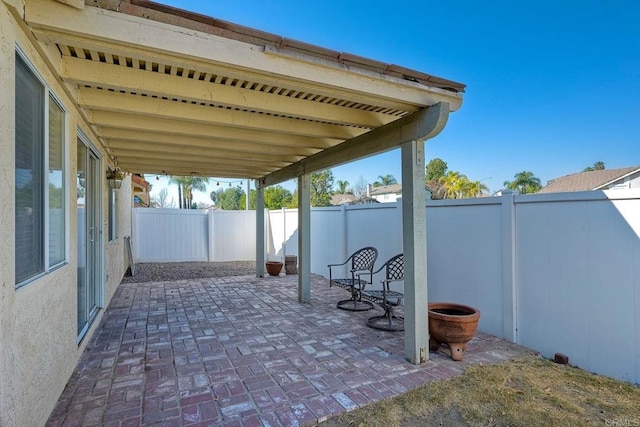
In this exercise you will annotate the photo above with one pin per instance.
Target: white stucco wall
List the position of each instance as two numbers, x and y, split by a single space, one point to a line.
38 340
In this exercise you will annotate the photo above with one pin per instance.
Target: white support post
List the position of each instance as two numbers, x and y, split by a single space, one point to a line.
284 234
210 233
345 235
414 231
304 238
259 230
248 199
509 282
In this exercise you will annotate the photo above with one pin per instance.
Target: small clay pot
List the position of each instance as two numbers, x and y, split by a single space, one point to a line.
273 267
453 324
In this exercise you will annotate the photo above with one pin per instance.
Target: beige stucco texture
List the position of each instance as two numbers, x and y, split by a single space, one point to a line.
38 322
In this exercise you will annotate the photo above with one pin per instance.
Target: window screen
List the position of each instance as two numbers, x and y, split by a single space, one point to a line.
29 194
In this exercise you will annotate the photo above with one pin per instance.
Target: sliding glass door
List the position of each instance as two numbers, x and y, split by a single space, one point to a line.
89 237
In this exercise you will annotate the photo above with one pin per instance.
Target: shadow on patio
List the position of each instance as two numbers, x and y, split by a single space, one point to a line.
242 351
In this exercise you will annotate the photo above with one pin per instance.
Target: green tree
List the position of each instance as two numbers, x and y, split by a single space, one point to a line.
321 187
275 197
525 182
229 198
385 180
252 200
343 187
294 200
435 169
597 166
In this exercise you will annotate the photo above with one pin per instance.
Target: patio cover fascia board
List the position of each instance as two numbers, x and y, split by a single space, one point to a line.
419 126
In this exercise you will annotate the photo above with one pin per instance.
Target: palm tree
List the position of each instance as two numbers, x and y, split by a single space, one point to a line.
342 186
456 185
186 185
385 180
525 182
191 183
477 188
178 181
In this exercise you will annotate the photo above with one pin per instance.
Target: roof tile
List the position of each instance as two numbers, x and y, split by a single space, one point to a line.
584 181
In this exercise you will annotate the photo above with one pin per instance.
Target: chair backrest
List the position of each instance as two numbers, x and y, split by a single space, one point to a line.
363 259
395 268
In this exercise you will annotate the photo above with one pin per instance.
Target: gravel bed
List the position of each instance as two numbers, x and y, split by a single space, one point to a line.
163 272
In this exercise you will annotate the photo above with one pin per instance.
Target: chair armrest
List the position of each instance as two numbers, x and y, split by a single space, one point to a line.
363 282
336 265
386 282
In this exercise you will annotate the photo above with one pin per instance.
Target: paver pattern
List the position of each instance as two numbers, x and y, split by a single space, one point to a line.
242 351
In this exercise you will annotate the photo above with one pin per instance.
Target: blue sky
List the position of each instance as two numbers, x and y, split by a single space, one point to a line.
552 86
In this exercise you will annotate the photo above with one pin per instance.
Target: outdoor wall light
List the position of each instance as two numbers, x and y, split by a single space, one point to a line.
114 178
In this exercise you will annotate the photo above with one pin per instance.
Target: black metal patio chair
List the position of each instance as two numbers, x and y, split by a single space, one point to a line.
362 262
386 298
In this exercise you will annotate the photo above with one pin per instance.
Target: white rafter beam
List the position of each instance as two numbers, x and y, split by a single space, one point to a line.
164 151
118 77
122 138
128 122
175 167
97 99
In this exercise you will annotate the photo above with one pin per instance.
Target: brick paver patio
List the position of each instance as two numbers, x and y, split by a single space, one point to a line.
241 351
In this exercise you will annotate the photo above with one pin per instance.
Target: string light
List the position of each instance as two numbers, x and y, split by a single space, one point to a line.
231 183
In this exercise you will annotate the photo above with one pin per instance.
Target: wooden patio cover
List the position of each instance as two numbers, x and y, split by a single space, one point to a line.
173 92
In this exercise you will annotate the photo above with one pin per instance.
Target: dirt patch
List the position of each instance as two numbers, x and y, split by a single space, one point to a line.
526 391
172 271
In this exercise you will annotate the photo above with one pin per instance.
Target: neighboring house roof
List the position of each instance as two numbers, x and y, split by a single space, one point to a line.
585 181
350 199
342 199
386 189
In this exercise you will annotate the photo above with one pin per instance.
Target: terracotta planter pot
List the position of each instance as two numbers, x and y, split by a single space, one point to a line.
273 267
453 324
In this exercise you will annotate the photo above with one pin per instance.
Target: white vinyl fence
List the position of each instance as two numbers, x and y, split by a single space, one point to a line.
175 235
553 272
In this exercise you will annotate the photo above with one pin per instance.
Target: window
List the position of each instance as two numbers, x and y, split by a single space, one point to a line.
113 214
39 196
